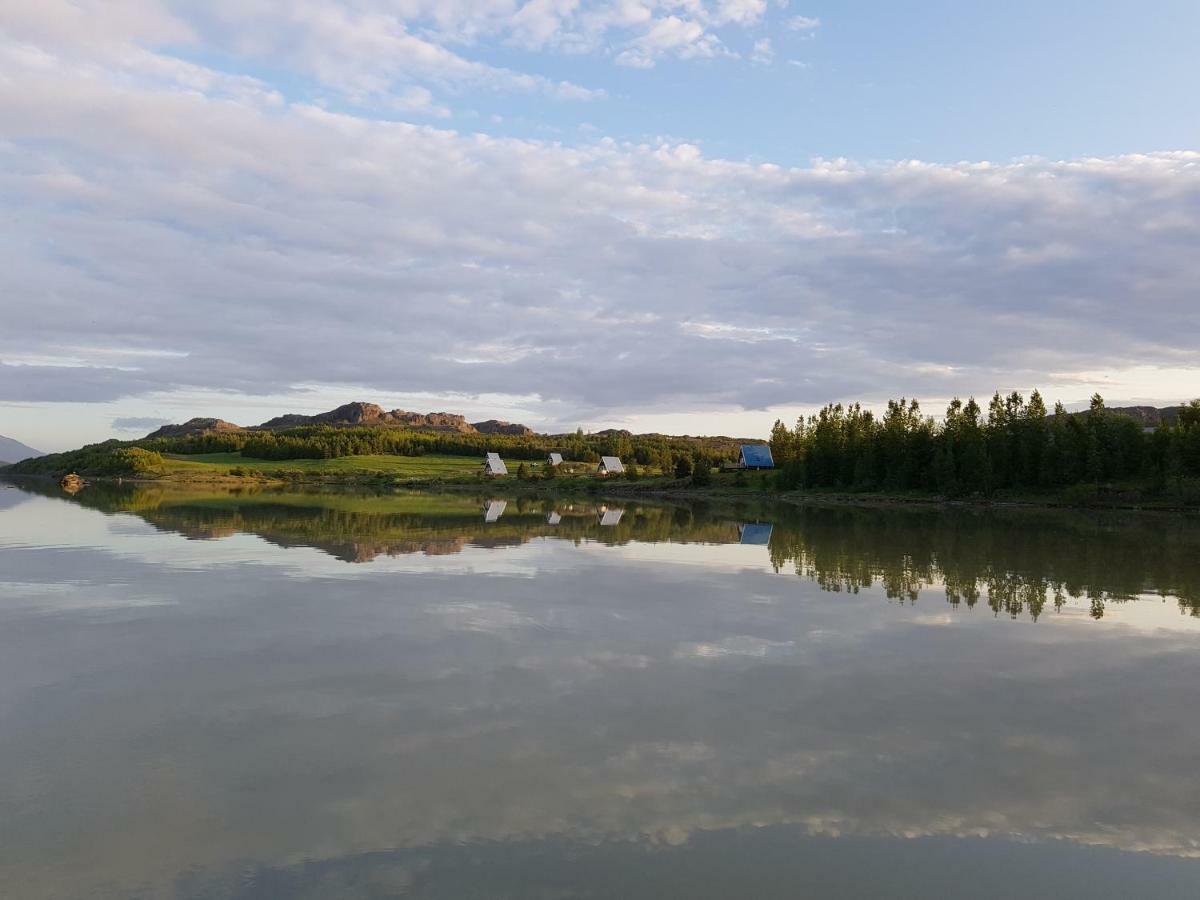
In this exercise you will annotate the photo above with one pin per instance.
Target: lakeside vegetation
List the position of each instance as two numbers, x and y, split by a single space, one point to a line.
1016 451
1015 447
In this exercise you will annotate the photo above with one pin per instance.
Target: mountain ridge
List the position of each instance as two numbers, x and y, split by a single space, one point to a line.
12 451
349 415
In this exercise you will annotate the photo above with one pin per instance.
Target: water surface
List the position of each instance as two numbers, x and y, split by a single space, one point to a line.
270 694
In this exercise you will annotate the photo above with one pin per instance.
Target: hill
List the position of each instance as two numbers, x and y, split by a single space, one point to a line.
1149 416
12 451
359 414
194 427
349 415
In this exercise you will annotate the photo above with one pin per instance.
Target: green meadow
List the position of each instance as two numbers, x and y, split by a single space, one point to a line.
430 467
425 468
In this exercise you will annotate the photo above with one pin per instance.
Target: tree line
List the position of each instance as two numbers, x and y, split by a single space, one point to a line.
1016 444
330 442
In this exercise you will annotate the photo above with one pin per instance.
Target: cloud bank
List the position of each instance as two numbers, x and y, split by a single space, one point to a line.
174 224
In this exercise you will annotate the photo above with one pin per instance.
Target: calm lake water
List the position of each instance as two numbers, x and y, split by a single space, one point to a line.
273 695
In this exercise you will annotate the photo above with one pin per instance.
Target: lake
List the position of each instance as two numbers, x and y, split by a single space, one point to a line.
338 695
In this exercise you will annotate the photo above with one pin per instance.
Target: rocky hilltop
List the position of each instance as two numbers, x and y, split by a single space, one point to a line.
349 415
496 426
194 427
368 414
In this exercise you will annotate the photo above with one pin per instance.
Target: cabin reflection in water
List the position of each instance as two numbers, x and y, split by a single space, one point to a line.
610 517
755 533
494 509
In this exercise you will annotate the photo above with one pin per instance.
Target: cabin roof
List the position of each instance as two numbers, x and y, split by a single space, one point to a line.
612 463
556 458
757 455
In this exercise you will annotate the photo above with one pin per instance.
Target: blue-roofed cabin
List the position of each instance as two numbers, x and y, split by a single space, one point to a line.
756 456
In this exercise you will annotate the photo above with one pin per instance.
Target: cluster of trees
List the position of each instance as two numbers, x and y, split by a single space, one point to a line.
1015 444
328 442
111 458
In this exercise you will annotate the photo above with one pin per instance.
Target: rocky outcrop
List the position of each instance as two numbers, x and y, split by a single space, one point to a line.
496 426
193 427
350 415
436 421
370 414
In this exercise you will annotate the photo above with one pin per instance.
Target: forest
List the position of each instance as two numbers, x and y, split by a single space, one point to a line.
1017 444
329 442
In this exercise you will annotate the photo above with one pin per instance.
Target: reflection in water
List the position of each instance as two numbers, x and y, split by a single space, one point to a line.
1015 562
758 533
645 709
493 510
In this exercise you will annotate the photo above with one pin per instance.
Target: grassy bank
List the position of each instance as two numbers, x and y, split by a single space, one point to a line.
205 466
464 473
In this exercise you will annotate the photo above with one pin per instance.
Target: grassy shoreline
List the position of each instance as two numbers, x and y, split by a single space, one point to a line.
724 486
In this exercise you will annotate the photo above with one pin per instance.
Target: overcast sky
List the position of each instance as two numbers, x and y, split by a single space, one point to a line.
686 215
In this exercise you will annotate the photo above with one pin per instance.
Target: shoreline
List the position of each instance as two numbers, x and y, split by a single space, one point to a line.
626 490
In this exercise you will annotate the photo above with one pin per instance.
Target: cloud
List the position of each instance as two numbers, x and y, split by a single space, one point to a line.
803 23
268 243
137 423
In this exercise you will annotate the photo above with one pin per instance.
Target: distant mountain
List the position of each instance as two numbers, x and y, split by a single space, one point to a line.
496 426
194 427
359 414
12 451
350 415
1149 416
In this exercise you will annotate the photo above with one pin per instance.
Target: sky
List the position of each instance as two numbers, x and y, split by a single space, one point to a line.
693 216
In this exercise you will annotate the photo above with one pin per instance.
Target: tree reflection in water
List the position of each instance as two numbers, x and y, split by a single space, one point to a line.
1015 562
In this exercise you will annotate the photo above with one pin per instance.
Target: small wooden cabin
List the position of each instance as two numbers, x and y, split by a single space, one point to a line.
610 465
756 456
494 466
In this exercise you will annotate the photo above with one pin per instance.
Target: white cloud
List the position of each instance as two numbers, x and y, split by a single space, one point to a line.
803 23
764 53
268 243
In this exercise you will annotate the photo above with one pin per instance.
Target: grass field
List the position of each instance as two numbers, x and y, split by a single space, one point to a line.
427 467
418 468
